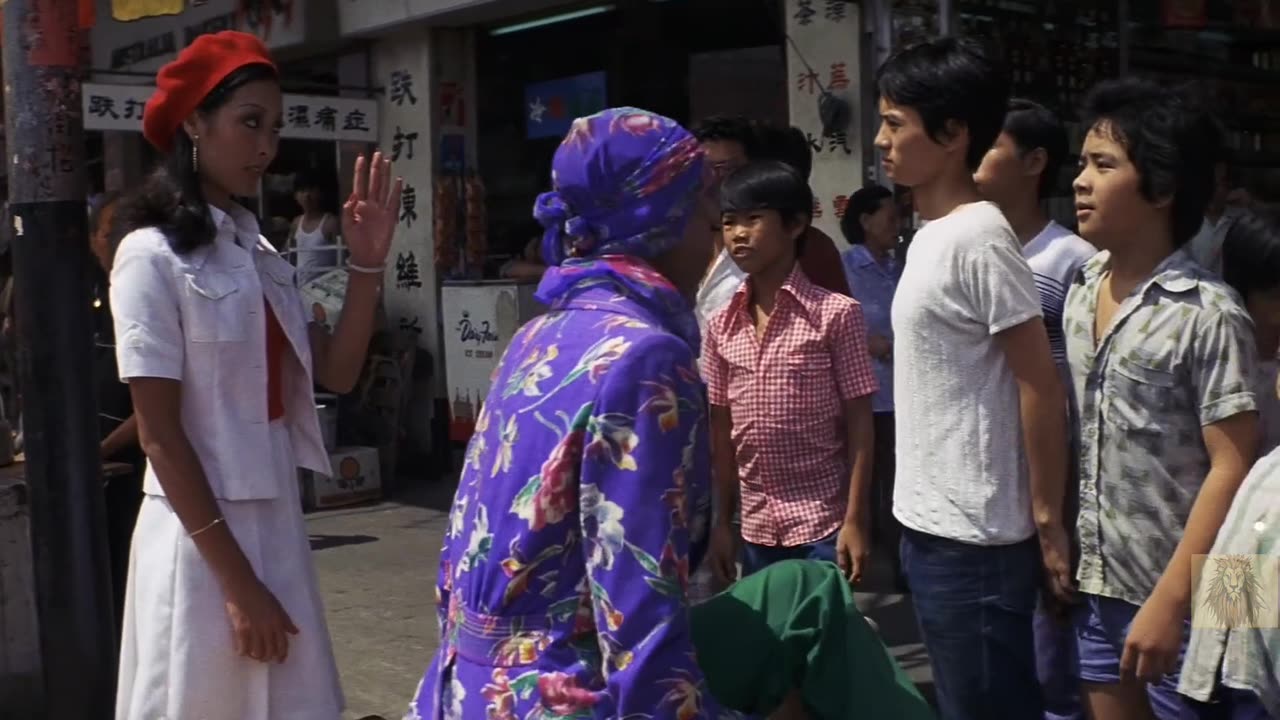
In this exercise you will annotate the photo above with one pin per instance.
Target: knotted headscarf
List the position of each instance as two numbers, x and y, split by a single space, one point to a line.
624 186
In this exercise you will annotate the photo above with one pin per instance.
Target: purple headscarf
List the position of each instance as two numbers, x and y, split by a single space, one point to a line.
624 186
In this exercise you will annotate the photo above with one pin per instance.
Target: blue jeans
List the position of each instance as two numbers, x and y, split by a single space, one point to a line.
1056 666
975 605
758 557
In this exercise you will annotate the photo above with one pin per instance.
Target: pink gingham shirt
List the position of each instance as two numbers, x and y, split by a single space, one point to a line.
785 392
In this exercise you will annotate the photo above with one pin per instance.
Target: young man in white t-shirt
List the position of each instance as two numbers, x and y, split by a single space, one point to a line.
1016 174
973 374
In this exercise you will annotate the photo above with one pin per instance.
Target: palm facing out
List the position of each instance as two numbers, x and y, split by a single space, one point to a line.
370 215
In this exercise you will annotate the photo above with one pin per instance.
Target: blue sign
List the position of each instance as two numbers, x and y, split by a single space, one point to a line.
550 107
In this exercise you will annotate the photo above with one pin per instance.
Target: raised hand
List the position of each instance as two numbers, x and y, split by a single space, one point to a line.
370 215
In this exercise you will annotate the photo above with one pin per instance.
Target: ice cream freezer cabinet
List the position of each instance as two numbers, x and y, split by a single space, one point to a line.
480 319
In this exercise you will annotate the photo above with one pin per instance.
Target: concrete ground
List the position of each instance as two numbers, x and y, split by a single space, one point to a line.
377 567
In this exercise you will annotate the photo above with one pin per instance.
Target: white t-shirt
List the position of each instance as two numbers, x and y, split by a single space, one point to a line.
961 467
1055 256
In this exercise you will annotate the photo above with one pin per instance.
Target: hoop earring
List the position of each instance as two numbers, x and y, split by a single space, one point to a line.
195 154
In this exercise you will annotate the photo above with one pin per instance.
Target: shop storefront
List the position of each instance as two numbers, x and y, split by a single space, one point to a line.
478 96
1056 51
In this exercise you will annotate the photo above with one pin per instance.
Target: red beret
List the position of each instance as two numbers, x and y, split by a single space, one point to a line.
184 83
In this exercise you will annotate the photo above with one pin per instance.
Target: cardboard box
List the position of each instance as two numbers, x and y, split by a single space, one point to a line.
356 478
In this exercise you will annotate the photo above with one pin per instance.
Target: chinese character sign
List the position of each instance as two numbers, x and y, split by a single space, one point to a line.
829 31
551 106
404 126
119 107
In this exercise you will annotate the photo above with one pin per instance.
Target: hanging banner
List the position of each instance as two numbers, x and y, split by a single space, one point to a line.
552 106
306 117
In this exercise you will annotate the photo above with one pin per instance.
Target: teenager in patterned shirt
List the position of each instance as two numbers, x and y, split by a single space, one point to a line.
1162 359
790 382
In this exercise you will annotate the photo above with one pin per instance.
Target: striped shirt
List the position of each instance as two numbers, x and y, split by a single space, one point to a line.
1055 256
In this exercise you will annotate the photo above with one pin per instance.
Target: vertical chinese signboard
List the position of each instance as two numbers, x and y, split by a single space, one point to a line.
400 65
824 57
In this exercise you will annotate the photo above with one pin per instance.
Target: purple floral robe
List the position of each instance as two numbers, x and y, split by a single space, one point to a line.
562 585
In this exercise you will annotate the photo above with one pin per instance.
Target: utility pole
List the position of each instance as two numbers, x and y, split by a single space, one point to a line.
49 230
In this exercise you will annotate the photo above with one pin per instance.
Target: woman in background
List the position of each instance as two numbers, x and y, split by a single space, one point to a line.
118 426
870 226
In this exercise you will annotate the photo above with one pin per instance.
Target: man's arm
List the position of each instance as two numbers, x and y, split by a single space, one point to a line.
855 383
1221 369
124 436
1042 402
1232 445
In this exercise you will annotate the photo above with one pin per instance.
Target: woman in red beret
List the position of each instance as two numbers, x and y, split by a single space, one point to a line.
223 620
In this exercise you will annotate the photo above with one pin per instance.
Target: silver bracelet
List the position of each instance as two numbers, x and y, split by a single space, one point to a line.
367 270
208 527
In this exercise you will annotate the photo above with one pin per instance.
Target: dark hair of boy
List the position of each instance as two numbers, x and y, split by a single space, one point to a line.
1172 141
950 80
1032 127
866 201
729 128
788 145
769 185
1251 253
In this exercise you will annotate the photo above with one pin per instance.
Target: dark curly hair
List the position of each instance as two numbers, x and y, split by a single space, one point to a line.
171 200
1172 140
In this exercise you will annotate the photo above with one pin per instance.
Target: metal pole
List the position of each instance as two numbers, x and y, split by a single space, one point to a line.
49 219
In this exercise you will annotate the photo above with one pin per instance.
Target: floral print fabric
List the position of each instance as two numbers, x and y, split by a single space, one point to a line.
582 506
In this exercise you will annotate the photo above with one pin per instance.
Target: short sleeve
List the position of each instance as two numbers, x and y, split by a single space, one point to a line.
997 282
1223 364
145 309
715 369
850 357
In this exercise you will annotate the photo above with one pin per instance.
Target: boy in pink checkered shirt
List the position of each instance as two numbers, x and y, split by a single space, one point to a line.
789 380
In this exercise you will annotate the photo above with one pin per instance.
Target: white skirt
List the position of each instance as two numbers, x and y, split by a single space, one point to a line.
177 657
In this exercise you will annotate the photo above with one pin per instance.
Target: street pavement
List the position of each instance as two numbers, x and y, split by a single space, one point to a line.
377 566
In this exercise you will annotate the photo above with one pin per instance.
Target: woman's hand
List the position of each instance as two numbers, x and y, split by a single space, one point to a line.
259 624
370 215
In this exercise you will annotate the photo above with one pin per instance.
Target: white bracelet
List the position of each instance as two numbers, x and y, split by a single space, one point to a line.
367 270
208 527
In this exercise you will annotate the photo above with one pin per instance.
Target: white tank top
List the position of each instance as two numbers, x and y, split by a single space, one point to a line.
312 263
